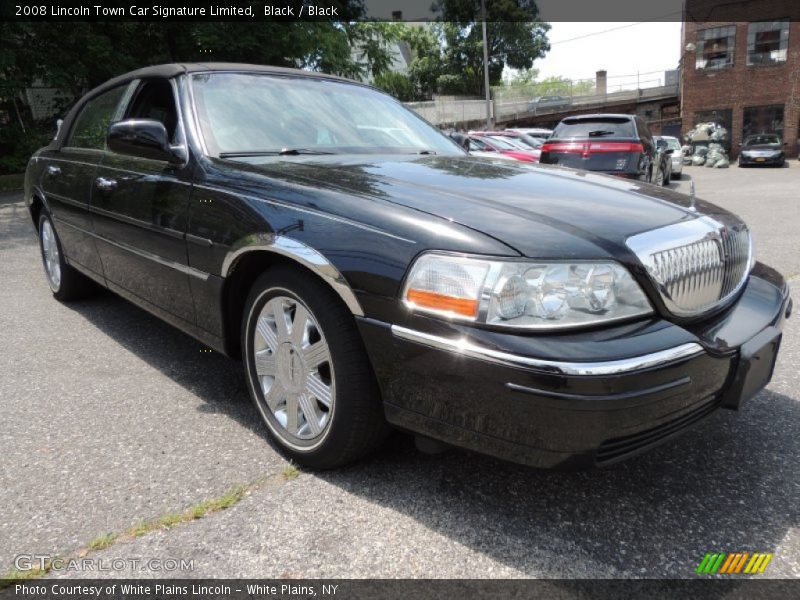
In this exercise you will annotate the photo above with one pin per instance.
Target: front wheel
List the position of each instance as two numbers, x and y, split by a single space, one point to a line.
308 372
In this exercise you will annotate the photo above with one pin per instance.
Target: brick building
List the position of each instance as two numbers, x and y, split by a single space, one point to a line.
744 75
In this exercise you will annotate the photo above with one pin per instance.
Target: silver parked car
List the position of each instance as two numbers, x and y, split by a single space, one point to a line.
677 157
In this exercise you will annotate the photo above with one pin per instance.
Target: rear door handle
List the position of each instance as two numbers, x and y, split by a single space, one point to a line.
53 171
105 184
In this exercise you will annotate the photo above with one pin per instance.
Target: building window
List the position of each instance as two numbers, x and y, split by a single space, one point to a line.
767 42
715 47
762 119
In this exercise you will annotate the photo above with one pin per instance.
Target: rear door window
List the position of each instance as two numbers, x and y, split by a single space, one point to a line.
594 128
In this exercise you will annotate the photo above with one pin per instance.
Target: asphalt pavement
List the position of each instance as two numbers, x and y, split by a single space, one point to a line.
111 417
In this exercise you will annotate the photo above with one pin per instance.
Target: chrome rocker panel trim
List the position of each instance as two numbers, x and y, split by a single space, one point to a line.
611 367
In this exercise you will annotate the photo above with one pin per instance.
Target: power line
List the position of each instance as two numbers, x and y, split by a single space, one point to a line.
580 37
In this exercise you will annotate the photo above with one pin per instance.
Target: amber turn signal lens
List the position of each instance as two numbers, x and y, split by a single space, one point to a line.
460 306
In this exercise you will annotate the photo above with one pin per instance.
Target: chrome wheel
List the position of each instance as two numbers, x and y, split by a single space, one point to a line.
293 367
51 256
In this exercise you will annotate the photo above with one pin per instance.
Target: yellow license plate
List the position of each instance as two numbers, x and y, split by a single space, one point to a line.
760 159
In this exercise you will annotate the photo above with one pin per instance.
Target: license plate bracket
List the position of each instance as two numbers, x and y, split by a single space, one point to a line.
754 368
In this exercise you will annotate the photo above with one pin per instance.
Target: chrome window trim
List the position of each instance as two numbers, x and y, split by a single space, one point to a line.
601 368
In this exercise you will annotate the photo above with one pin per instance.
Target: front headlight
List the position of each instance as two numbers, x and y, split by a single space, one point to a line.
525 295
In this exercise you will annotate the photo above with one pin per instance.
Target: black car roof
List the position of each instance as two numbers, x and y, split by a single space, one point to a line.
170 70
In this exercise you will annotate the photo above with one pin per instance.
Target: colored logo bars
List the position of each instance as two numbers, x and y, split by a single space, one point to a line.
734 562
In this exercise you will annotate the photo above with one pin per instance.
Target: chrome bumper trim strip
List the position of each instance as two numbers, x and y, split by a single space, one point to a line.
611 367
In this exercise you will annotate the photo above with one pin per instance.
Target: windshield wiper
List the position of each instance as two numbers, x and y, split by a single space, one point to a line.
282 152
426 152
601 132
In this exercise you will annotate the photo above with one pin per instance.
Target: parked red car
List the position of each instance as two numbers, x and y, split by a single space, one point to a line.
521 140
486 142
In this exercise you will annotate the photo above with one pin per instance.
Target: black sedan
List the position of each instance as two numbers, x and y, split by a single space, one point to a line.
370 273
762 149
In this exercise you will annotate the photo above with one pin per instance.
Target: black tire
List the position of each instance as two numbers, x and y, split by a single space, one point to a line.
356 423
71 284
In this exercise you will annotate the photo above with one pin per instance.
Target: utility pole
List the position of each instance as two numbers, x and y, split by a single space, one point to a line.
486 69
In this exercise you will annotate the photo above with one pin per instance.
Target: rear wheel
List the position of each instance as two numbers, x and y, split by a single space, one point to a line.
65 282
308 372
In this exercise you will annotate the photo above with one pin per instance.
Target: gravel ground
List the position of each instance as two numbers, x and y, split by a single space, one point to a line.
111 417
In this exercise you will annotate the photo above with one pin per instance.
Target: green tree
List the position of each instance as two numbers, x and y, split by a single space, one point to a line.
426 64
74 57
525 77
397 84
515 38
556 85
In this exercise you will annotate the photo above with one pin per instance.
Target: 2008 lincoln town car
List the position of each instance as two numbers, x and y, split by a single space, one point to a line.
370 273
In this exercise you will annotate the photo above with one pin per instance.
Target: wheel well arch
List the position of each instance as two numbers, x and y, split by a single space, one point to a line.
36 207
248 266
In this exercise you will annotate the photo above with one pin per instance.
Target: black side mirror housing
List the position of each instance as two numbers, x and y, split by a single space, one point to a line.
145 138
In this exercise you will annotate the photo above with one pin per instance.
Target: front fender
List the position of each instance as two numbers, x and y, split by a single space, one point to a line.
299 252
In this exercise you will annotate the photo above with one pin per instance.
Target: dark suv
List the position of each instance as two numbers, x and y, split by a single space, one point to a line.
614 144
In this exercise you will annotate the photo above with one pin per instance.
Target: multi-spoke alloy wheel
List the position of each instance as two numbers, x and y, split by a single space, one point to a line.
51 256
65 282
308 371
293 365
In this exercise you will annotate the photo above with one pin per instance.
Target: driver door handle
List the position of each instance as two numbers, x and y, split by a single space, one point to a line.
105 184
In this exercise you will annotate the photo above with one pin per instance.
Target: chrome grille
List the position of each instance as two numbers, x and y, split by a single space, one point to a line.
696 265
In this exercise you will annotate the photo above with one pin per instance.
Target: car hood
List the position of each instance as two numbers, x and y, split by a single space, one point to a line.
539 211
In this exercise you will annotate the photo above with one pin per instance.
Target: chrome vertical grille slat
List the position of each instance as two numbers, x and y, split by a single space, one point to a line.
696 265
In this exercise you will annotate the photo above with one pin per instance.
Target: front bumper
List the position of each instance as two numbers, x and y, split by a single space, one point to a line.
568 400
761 160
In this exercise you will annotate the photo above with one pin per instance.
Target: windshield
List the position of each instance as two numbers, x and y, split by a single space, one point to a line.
250 114
529 141
762 139
500 144
513 142
602 127
672 143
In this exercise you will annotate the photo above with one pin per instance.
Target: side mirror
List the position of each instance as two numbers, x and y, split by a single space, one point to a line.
145 138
